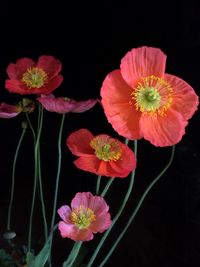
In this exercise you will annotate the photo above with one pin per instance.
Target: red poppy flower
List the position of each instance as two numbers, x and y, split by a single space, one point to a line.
8 111
101 154
141 100
28 77
64 104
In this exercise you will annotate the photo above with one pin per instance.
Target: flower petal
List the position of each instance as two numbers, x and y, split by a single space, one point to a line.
64 212
71 231
98 205
15 71
116 96
142 62
79 142
49 64
82 106
81 199
101 223
8 111
53 104
16 86
185 101
50 86
126 164
91 164
163 130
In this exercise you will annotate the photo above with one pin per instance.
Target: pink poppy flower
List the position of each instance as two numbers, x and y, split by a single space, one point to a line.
88 214
141 100
28 77
64 104
101 154
8 111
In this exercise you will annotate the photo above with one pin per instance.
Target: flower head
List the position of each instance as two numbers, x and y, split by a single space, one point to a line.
88 214
64 104
101 154
28 77
141 100
8 111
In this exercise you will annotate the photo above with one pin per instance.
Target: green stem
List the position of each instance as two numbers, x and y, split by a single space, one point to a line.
137 208
35 176
57 176
70 261
126 198
40 117
98 184
13 178
107 187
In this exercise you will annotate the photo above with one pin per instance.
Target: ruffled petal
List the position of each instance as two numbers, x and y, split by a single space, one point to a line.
49 87
15 71
116 97
142 62
101 223
8 111
16 86
50 65
163 130
64 212
79 142
185 101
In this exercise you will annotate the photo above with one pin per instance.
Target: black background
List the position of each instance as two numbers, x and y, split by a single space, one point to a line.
90 39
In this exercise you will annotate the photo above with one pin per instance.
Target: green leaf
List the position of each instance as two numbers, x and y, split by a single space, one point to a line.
39 260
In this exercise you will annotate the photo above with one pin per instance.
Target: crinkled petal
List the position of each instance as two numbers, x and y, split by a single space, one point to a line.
50 65
50 86
79 142
71 231
142 62
8 111
163 130
185 101
101 223
64 212
116 97
15 71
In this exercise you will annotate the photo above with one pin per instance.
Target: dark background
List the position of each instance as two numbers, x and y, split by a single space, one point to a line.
90 39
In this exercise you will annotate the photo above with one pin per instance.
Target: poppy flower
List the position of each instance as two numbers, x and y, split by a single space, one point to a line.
64 104
141 100
28 77
101 154
88 214
8 111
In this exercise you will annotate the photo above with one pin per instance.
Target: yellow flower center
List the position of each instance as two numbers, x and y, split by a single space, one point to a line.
34 77
152 95
106 148
82 217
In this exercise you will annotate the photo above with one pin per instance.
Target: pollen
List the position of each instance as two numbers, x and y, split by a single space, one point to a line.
82 217
106 148
152 95
35 77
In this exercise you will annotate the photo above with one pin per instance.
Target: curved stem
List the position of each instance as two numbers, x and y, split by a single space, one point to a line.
35 175
107 187
57 176
13 178
137 208
70 261
40 117
126 198
98 184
